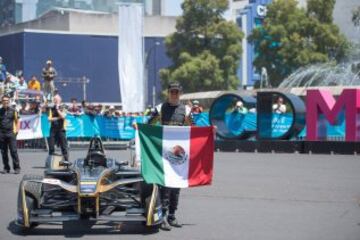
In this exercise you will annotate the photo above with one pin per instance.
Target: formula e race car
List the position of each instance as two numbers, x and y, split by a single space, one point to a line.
95 188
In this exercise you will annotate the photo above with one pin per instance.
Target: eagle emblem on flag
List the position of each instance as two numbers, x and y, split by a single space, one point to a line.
176 155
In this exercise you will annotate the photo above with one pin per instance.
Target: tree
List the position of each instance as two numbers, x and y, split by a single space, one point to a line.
292 37
321 10
205 49
356 16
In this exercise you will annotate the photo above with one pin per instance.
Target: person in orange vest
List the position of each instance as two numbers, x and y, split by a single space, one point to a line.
34 83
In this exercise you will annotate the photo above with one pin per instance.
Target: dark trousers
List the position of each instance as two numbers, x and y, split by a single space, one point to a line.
8 141
58 136
169 199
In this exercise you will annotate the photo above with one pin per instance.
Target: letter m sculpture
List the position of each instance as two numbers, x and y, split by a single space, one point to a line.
322 101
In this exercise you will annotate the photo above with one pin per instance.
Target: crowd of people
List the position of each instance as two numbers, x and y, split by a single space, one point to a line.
26 97
34 97
278 107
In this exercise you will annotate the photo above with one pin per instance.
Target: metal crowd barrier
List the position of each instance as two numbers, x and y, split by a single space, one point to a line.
32 145
73 143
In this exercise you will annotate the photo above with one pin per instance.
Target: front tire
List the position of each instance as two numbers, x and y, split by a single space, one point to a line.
32 200
146 195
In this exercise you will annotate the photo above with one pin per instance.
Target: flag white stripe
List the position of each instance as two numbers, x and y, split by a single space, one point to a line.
176 173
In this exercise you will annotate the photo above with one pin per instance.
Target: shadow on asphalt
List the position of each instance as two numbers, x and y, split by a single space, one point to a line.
81 228
38 167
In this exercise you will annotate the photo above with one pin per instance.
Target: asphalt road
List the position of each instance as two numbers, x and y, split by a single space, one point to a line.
254 196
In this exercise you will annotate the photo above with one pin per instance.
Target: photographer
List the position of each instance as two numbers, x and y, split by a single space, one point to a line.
49 73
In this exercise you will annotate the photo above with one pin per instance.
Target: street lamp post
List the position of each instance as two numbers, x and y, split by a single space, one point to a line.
83 80
147 57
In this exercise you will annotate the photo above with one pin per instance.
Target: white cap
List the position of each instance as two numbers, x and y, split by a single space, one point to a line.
239 104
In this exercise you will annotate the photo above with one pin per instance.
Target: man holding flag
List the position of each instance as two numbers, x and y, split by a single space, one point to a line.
173 156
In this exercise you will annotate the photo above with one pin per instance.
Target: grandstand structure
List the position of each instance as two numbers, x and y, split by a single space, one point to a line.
83 43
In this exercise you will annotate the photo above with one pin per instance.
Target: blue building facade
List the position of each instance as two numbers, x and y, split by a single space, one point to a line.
250 17
78 55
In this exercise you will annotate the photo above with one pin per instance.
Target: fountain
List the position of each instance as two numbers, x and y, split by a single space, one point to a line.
326 74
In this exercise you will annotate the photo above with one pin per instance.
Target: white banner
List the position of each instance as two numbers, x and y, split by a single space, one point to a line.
30 127
131 66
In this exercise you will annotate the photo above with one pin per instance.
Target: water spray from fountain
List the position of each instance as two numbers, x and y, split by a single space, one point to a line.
326 74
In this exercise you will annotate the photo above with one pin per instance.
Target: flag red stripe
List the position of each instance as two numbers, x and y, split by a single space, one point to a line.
201 156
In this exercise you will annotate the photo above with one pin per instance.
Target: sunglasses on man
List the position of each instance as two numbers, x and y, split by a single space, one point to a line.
174 91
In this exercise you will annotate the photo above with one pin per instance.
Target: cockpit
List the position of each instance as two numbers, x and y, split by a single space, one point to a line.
96 155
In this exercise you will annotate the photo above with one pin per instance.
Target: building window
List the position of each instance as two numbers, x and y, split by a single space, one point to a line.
18 12
156 9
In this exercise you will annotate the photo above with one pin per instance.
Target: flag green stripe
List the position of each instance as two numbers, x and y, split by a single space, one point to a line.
151 153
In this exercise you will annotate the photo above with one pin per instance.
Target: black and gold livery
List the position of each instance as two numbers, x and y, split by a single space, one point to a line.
8 120
95 187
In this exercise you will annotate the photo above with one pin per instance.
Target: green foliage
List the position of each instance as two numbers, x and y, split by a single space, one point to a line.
205 49
321 10
356 16
292 37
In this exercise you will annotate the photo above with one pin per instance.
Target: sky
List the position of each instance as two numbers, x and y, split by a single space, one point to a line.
173 8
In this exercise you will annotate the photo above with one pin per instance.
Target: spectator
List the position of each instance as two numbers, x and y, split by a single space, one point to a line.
196 108
21 84
74 109
279 107
105 112
88 108
240 108
49 73
118 113
34 84
24 110
35 107
9 86
98 109
2 70
110 112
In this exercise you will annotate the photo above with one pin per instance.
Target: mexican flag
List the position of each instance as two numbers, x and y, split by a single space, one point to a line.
175 156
